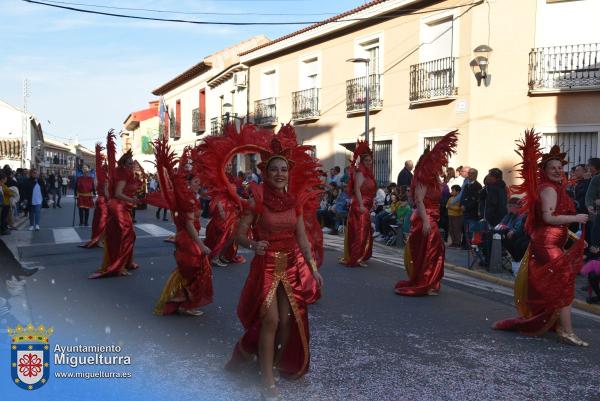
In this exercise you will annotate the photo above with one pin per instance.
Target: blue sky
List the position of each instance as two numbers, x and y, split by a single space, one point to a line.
88 72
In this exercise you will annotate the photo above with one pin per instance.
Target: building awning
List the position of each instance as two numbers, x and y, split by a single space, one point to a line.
10 149
134 119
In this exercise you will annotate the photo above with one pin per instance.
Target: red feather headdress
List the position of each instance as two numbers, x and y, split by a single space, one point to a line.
216 151
431 162
111 159
101 168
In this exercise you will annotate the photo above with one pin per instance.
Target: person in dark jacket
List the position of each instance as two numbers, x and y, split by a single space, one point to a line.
494 202
35 195
469 200
405 176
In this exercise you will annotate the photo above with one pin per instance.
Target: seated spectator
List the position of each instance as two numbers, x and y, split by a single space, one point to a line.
340 209
512 229
324 214
388 217
404 213
455 218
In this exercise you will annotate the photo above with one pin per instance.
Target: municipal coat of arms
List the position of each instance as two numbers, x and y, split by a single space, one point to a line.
30 355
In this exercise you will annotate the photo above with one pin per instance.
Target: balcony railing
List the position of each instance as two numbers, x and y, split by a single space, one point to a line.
432 80
217 123
215 126
305 104
355 93
571 67
265 111
198 121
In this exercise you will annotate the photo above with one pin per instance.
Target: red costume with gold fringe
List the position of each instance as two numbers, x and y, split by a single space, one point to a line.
424 254
358 234
546 280
192 277
118 250
277 215
100 212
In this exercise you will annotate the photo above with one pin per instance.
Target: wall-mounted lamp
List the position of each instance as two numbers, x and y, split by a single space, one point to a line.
480 63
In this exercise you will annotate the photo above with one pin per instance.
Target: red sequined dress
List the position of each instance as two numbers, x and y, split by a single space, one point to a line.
546 279
282 265
424 254
101 209
119 243
358 234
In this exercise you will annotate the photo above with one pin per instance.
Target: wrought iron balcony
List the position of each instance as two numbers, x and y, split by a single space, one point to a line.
432 80
215 126
198 121
217 123
355 93
305 104
265 111
571 67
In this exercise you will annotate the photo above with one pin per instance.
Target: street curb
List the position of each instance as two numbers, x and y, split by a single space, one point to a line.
577 303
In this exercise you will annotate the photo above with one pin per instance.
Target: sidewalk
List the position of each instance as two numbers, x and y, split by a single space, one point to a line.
457 261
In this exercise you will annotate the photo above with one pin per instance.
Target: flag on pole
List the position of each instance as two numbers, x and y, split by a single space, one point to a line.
163 115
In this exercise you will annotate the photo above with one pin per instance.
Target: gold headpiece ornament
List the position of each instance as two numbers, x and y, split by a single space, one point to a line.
554 154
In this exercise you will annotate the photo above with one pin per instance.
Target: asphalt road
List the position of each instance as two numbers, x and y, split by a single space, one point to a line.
366 342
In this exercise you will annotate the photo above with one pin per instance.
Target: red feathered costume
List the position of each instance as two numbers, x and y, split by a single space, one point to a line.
100 212
358 233
221 230
192 278
546 279
276 218
118 250
424 254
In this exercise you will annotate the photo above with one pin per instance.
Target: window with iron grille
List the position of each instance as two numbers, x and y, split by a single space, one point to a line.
382 161
431 141
579 146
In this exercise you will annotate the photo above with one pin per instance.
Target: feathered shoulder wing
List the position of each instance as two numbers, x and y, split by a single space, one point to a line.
529 148
431 162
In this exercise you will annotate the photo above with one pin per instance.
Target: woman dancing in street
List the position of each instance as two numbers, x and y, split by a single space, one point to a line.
100 211
358 238
545 285
283 277
424 251
190 285
118 250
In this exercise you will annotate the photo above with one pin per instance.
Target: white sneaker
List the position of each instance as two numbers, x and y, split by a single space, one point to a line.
31 228
37 227
376 234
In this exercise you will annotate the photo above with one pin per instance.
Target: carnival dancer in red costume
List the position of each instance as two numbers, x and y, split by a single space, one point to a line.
190 285
85 190
100 212
221 229
545 285
118 250
424 252
283 277
358 239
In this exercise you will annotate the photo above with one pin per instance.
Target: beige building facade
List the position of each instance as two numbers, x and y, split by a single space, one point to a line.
425 79
197 108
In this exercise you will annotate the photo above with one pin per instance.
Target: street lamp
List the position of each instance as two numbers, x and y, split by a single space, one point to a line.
366 61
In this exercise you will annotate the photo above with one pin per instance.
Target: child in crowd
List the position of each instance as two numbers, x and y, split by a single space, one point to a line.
403 214
455 218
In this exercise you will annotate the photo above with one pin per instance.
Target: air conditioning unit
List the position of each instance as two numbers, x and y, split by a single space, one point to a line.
239 79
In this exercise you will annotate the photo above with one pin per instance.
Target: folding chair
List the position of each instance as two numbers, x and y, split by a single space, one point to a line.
476 236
